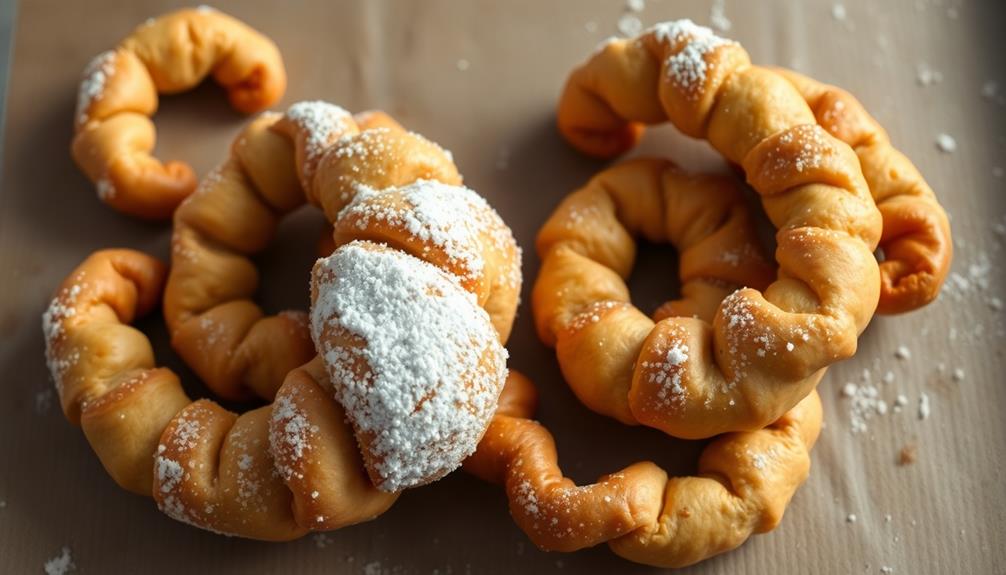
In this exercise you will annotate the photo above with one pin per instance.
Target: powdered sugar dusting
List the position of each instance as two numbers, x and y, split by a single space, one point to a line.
322 123
687 67
92 87
452 218
294 438
435 367
61 309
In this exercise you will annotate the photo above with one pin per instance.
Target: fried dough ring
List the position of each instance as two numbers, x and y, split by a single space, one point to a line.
766 350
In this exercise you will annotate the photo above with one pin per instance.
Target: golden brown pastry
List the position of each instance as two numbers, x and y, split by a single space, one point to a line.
743 485
411 310
114 136
318 152
765 350
916 242
273 473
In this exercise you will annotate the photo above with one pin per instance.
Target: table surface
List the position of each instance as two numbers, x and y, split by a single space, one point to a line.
482 79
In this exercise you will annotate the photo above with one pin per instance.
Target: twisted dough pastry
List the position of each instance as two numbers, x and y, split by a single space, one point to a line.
916 240
744 482
319 153
114 136
215 326
353 168
765 351
273 473
588 250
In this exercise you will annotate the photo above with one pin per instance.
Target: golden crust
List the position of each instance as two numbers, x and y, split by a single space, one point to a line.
766 348
114 136
916 242
743 485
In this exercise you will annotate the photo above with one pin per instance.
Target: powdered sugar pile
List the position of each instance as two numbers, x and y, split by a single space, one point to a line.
687 67
92 87
435 367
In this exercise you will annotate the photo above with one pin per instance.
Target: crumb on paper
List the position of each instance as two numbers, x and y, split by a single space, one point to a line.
946 143
924 408
925 75
322 540
908 454
629 25
838 12
718 16
635 5
903 352
61 564
958 375
850 518
463 65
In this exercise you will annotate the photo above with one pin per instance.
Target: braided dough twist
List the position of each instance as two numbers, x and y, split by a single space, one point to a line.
114 136
765 350
273 473
743 485
916 242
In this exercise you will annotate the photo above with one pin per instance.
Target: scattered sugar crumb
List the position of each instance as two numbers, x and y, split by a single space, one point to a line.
903 352
849 389
629 25
61 564
926 75
838 12
850 518
990 89
995 303
957 375
463 65
888 377
43 401
946 143
887 518
635 5
322 540
718 16
908 454
924 408
885 570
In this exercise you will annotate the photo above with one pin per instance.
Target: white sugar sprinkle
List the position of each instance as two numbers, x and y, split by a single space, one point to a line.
96 76
924 406
718 16
687 67
850 518
903 352
322 123
635 5
946 143
436 366
61 564
958 375
629 25
838 12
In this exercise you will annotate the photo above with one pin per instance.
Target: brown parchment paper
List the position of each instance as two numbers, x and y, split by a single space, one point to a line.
482 78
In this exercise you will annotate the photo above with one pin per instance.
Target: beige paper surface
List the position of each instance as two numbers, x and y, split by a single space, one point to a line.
482 78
